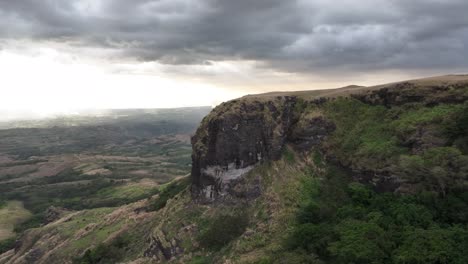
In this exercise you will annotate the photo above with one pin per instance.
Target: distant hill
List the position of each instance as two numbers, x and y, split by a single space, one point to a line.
110 116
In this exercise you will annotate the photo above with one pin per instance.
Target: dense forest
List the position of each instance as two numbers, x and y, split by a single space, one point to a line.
342 221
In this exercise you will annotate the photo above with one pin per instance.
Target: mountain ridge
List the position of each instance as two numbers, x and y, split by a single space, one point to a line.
346 90
237 134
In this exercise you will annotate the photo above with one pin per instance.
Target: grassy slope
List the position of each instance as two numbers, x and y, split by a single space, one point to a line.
72 235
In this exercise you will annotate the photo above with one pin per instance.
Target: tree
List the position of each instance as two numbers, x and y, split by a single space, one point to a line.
422 246
360 242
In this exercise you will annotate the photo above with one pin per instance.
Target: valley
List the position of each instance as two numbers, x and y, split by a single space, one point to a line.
76 163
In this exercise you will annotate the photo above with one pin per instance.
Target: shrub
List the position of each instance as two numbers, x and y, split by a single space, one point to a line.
167 193
35 221
313 238
288 156
200 260
106 253
360 242
7 244
360 193
433 245
440 169
222 230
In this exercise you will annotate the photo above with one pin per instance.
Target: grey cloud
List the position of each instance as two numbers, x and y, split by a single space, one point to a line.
293 36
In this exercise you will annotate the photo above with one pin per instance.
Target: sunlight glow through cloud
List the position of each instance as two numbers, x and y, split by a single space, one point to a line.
46 78
50 82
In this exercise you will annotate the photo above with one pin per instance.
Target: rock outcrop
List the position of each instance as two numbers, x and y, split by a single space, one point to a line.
233 138
414 92
241 133
53 214
161 249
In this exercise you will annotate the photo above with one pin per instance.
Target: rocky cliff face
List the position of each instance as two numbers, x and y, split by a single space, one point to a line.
233 138
239 134
414 92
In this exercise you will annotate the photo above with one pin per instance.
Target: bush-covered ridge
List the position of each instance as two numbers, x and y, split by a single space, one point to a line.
341 221
421 146
423 219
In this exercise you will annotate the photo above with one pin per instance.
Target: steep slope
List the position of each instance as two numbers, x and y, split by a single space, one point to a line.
352 175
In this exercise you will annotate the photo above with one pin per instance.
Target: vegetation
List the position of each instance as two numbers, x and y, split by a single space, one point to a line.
34 221
341 221
457 131
7 244
106 253
347 222
200 260
168 192
422 144
441 169
223 229
366 142
288 156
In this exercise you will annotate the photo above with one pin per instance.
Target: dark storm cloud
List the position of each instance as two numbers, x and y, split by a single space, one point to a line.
296 36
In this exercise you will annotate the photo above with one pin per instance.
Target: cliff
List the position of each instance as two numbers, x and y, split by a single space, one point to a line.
239 134
244 132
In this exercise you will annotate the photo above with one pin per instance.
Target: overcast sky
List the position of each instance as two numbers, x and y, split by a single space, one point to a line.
57 55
